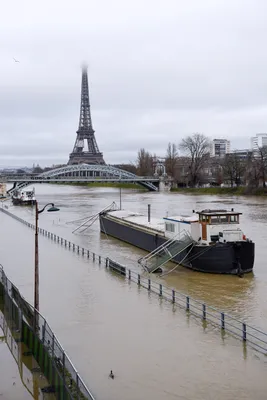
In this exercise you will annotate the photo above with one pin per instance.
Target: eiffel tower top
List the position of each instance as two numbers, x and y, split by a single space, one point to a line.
85 121
85 133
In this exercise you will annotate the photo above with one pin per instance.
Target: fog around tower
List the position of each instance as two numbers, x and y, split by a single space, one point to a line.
158 71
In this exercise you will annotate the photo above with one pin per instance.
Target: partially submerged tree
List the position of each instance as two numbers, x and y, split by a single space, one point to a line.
197 148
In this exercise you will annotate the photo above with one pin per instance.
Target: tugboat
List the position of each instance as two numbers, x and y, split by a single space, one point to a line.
208 241
25 198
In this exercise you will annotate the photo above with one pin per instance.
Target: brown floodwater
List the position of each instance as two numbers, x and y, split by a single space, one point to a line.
104 323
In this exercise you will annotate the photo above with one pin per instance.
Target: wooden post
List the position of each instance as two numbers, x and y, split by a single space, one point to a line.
53 345
77 386
43 331
187 303
160 289
204 311
244 332
222 321
63 372
148 212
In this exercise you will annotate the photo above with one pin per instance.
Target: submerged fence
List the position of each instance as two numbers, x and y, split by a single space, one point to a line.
226 323
31 328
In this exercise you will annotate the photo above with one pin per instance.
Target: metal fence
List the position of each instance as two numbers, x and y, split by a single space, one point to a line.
37 335
226 323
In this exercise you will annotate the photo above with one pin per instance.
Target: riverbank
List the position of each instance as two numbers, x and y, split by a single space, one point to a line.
236 191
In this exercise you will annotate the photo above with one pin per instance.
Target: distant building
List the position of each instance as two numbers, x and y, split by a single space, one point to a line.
220 147
259 140
242 154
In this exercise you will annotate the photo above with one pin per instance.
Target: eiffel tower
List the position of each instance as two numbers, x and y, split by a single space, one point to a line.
85 150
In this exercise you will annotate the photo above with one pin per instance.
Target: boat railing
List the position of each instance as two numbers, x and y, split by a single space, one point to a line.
89 221
179 236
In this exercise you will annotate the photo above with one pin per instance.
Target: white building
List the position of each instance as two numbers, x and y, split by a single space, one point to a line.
220 147
259 140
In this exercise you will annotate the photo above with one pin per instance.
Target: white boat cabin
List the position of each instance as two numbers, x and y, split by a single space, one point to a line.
206 226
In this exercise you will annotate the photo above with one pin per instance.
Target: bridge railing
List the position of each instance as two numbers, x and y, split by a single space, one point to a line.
29 178
225 323
43 344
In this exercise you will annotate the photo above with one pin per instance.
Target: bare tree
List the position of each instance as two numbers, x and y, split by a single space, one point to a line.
262 161
197 147
253 173
234 168
171 159
144 163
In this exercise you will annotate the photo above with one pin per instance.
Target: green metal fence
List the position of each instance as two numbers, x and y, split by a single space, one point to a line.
33 330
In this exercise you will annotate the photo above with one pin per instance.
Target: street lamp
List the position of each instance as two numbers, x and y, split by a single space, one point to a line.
36 269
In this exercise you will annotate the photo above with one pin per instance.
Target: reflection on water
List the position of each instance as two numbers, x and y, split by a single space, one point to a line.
27 381
105 323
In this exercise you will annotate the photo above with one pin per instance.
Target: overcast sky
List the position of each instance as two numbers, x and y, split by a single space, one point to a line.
158 71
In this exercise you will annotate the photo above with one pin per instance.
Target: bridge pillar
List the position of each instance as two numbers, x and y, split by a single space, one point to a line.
165 184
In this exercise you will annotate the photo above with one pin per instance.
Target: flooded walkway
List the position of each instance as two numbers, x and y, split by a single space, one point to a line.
106 323
11 385
20 378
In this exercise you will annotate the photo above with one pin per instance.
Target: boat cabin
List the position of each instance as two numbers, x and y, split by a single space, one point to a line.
219 225
177 227
206 226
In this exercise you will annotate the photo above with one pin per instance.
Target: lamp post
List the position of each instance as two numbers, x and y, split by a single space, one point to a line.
36 260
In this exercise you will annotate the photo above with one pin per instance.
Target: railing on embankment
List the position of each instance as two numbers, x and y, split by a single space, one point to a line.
226 323
31 328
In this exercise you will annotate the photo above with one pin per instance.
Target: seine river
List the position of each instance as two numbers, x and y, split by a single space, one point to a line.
155 351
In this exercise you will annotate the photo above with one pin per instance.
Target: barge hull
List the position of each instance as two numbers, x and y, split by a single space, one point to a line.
219 258
23 203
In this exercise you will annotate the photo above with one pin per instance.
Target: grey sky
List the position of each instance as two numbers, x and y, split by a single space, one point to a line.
158 71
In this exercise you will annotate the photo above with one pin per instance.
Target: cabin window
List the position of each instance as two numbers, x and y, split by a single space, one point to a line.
203 218
169 227
233 218
215 219
223 219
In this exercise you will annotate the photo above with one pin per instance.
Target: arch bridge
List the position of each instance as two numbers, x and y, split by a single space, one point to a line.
81 173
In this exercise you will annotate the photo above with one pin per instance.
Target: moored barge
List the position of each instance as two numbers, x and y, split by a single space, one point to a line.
208 241
26 198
